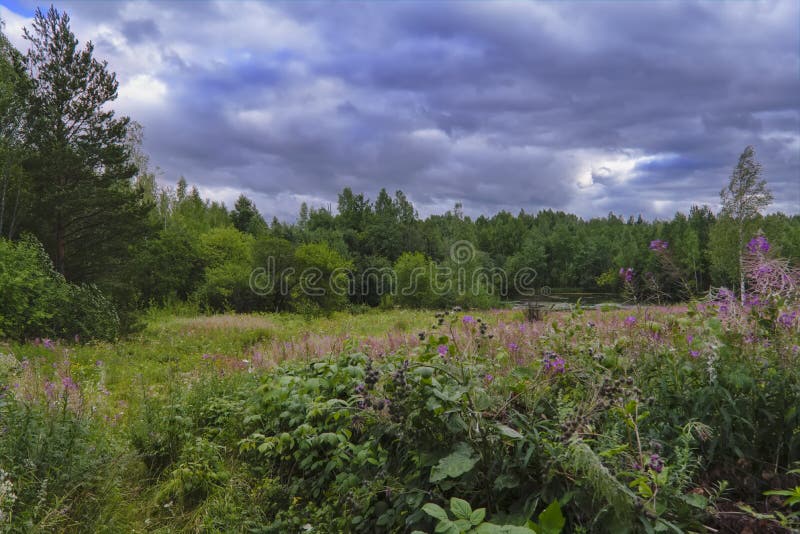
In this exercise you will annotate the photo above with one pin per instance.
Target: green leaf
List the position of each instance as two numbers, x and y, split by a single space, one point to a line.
460 461
477 516
446 527
489 528
505 481
424 372
435 511
462 525
509 432
696 500
460 508
551 521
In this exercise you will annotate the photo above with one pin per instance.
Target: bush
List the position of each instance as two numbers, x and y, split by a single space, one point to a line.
38 302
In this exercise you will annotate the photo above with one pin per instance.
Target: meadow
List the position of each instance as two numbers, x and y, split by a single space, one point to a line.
640 419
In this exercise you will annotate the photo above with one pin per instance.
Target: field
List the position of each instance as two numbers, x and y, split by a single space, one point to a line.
638 419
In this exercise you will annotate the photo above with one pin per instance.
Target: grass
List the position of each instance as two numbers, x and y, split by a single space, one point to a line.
115 375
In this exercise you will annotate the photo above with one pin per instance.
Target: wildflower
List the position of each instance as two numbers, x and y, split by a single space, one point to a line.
513 347
48 343
758 244
69 384
753 301
554 363
49 390
626 274
488 378
657 245
787 319
99 363
630 320
468 319
442 350
694 353
689 339
656 463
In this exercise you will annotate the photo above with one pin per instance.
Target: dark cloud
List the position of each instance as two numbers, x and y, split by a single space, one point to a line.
585 106
136 31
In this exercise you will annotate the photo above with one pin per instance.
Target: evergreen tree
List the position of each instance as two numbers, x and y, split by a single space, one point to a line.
84 208
246 218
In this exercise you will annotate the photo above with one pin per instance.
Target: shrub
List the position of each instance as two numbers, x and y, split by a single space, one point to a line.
38 302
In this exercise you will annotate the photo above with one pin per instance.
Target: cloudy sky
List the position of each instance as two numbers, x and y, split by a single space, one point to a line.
583 106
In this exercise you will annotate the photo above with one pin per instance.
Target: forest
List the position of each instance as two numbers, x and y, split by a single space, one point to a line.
172 364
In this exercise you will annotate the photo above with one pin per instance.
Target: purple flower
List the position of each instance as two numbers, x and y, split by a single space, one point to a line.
69 384
512 347
488 378
468 319
758 244
626 274
656 463
49 390
554 363
99 363
658 245
689 339
787 319
630 320
48 343
442 349
694 353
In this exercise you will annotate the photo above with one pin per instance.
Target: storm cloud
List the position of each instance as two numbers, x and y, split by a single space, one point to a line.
590 107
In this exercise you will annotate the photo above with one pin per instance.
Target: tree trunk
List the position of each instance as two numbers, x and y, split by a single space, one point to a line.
741 262
60 245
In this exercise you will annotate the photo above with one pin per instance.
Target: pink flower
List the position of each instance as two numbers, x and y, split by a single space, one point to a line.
626 274
442 349
468 319
630 320
758 244
69 384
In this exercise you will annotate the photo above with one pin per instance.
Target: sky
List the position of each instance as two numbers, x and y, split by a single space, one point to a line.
585 106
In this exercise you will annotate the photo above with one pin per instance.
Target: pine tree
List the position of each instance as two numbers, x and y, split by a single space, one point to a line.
85 208
246 218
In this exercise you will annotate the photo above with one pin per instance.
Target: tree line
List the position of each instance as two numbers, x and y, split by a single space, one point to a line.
76 188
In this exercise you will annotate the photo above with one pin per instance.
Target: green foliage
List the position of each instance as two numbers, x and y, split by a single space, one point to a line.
38 302
320 282
64 470
467 520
